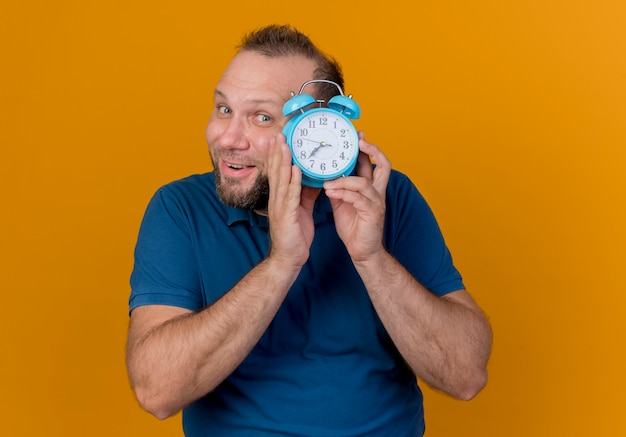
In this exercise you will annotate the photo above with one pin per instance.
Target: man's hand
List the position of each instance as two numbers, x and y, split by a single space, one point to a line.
359 203
290 208
446 341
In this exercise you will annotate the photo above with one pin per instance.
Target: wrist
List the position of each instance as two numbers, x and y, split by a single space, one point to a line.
373 261
281 265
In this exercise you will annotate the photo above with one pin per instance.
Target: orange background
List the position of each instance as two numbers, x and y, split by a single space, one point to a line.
509 116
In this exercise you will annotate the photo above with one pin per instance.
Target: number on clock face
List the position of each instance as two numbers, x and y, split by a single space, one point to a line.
324 143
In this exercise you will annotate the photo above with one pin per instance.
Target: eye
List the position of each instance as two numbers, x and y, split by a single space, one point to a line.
223 109
263 118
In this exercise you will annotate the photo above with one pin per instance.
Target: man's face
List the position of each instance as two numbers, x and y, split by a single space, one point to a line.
246 118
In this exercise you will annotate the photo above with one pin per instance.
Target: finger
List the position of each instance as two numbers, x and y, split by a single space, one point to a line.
364 164
352 189
380 174
308 196
295 186
279 168
366 208
273 166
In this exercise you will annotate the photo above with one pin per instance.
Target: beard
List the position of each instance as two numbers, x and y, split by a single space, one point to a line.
232 194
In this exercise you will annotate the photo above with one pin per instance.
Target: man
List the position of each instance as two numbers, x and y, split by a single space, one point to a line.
260 306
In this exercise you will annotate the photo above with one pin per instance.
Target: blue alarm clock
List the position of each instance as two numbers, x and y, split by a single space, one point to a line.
324 143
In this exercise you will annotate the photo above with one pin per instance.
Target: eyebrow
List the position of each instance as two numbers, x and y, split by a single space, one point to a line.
218 93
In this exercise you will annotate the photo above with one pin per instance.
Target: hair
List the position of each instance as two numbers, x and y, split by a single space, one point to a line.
276 41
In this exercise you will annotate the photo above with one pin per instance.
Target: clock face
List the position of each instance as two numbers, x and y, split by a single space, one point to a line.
324 144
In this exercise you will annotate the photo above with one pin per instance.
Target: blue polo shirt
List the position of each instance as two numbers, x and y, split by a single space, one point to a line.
326 365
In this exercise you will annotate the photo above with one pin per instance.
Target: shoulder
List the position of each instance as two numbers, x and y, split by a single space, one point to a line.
408 212
401 189
194 185
188 198
191 190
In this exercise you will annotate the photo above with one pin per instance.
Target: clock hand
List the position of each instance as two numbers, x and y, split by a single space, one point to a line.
321 144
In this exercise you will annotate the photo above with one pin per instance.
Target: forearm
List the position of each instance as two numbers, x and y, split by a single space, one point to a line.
181 359
445 341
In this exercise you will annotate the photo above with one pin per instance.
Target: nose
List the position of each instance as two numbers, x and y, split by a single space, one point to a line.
233 133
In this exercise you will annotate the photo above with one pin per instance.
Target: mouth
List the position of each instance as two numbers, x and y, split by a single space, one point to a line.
235 169
235 166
